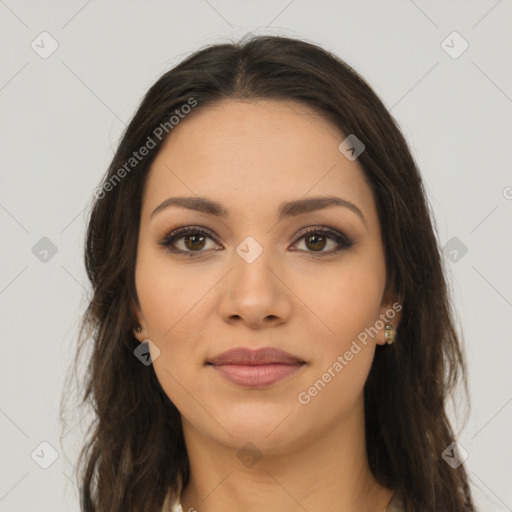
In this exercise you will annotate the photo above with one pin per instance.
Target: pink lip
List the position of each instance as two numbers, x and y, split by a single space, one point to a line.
257 376
255 368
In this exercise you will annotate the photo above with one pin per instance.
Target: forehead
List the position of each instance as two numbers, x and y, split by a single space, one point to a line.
255 153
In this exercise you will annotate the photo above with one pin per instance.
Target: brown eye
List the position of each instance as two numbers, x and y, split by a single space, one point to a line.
187 241
194 242
316 240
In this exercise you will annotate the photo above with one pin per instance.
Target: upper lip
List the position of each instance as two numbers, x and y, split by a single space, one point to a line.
254 357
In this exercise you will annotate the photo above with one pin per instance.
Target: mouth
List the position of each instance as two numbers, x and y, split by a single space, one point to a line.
257 376
256 368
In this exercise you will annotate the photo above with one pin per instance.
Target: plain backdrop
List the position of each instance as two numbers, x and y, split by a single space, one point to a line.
72 74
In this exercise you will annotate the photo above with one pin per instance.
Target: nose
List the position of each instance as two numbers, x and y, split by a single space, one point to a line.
255 293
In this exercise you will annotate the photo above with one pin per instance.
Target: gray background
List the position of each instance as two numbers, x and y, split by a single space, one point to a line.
61 120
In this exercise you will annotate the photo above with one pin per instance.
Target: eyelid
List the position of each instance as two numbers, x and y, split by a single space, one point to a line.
343 241
184 230
321 229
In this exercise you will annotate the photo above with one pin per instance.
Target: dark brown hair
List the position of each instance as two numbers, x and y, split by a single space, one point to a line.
135 451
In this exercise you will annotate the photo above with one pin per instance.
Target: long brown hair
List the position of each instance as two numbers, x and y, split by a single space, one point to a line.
135 452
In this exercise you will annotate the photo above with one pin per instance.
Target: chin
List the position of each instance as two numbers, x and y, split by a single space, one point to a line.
273 428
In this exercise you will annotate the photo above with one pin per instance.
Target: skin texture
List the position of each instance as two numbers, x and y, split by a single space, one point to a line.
251 156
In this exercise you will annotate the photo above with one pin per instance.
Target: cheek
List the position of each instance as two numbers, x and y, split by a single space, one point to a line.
349 307
346 299
354 309
168 294
173 301
338 387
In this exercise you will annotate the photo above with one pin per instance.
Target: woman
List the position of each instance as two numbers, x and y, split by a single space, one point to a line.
271 323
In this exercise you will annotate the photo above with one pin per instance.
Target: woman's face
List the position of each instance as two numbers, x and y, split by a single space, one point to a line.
253 277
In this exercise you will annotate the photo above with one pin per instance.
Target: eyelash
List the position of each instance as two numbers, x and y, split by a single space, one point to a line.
170 238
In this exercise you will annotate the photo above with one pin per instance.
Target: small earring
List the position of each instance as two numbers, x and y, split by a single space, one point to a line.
390 334
139 328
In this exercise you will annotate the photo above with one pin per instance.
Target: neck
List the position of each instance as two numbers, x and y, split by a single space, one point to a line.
327 473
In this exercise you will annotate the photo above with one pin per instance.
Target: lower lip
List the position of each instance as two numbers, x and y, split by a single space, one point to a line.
257 376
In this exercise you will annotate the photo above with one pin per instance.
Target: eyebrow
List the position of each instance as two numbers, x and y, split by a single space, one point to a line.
286 209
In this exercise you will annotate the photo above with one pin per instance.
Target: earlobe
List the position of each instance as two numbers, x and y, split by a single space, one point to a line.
387 331
137 332
390 334
390 317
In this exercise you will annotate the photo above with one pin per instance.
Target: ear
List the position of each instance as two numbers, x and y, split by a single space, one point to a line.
138 321
390 312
